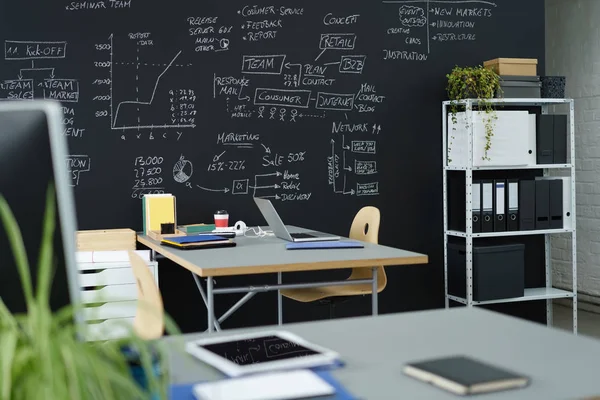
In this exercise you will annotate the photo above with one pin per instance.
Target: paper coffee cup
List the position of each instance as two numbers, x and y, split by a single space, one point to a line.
221 219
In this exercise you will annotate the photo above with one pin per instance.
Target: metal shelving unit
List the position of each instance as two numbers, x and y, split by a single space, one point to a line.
548 292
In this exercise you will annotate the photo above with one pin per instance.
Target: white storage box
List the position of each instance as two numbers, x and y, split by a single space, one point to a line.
512 143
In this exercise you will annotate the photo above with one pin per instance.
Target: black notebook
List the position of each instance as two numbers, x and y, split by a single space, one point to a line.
464 375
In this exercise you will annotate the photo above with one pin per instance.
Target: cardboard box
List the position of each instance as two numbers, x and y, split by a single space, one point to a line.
513 66
106 240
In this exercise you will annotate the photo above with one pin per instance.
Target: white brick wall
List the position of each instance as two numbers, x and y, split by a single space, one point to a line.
573 50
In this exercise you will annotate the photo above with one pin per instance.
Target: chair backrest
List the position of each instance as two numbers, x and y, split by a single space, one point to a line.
148 323
365 227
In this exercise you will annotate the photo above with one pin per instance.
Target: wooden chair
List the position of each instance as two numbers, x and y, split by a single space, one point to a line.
148 323
365 227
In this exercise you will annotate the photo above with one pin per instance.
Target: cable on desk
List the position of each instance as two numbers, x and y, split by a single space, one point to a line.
258 232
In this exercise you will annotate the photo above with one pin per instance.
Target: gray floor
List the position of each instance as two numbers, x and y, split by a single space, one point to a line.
588 323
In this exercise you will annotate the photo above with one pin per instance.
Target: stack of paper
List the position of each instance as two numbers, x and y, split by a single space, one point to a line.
106 240
158 209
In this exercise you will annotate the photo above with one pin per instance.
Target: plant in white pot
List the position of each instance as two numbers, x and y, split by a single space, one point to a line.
41 353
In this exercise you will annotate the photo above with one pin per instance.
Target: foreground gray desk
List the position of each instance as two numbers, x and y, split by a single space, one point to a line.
561 365
262 255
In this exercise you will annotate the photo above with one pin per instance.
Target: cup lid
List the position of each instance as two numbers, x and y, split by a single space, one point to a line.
221 212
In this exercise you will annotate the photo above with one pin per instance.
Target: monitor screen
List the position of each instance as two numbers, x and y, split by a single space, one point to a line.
27 147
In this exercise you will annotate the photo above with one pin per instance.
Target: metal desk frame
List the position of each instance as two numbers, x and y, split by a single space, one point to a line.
251 291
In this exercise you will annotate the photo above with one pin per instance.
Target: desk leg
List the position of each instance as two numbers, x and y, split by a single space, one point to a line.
374 304
201 290
279 300
210 306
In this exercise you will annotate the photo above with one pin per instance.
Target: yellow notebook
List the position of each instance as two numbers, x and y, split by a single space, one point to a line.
160 210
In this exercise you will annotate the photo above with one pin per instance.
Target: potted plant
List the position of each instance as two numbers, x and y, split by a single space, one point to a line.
477 83
42 356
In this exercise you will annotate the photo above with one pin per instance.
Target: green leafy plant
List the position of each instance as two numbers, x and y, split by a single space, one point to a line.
477 83
42 353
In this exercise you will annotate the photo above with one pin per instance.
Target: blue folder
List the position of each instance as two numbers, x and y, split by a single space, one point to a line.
184 392
194 238
329 244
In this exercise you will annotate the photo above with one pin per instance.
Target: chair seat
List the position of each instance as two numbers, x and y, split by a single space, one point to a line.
313 294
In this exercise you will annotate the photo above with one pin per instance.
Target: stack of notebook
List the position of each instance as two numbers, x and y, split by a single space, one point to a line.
196 228
198 242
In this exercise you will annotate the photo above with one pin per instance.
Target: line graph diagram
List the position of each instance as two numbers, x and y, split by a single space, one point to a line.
147 94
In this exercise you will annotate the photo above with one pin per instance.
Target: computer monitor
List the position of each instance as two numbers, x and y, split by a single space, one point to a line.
33 154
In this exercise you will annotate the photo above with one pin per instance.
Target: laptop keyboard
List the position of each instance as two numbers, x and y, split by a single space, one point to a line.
301 235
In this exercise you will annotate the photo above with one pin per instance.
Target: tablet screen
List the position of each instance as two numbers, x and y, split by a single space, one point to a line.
258 350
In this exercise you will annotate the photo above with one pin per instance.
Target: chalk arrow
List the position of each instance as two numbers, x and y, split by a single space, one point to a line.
344 143
273 174
374 127
20 76
225 190
348 169
266 187
276 197
378 129
267 150
433 24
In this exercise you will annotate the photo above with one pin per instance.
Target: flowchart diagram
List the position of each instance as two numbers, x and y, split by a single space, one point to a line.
37 78
424 25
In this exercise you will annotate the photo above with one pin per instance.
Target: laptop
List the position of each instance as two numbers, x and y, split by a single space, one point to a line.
280 230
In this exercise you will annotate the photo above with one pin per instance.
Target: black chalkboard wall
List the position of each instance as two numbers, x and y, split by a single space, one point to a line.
324 106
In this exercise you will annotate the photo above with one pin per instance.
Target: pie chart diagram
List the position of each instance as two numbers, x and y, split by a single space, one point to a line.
183 170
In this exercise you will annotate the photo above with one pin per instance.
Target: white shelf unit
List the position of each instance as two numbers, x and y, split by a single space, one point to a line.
547 293
109 294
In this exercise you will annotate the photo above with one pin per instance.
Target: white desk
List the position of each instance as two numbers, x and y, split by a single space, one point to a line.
562 366
268 254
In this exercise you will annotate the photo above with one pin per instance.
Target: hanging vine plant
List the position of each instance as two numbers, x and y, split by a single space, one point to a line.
477 83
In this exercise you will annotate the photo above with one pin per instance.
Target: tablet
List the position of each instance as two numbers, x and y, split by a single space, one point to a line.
256 352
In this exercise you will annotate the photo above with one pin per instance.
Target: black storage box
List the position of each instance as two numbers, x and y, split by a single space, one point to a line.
498 271
520 87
